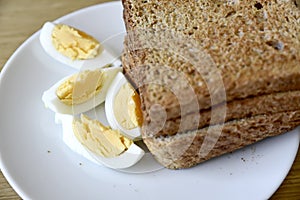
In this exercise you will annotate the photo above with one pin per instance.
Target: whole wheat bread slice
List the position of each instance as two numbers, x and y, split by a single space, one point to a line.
175 53
183 150
255 48
237 109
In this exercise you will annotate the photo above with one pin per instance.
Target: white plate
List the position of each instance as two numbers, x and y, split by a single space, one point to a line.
38 164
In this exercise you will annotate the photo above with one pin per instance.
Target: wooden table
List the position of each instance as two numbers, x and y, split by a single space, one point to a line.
20 18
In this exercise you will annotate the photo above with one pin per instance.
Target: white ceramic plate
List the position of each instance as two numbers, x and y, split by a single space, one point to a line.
39 165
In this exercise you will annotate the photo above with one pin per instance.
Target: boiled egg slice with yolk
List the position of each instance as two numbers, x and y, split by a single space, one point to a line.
74 47
122 108
81 91
99 143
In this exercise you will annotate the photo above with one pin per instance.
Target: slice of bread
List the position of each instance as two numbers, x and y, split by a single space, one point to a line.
256 49
187 57
237 109
183 150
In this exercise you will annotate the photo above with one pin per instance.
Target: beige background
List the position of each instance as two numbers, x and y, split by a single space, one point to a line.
21 18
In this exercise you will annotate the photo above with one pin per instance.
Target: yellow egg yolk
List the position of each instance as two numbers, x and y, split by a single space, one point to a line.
73 43
100 139
127 107
80 87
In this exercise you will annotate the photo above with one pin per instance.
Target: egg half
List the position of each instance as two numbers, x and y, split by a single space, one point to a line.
122 108
87 146
74 47
81 91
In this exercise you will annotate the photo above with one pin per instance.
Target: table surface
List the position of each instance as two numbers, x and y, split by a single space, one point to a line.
20 19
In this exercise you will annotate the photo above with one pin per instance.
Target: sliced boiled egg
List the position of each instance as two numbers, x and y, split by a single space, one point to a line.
81 91
122 108
74 47
100 143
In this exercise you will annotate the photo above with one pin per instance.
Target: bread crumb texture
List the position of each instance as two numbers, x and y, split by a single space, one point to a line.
254 44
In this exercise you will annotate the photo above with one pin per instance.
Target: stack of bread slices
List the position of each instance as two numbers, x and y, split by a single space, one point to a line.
213 75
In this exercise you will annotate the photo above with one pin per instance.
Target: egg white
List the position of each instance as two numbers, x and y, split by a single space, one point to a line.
123 161
46 42
52 102
117 83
